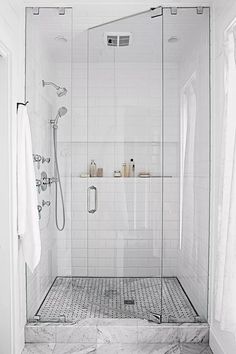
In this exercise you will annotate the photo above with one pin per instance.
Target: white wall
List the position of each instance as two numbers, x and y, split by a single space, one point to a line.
222 342
12 297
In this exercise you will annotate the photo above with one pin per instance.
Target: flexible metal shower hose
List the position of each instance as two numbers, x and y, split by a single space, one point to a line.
58 182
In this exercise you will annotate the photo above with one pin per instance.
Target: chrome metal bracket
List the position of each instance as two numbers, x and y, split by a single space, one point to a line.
36 318
199 10
62 318
35 11
173 10
199 319
61 11
156 11
156 317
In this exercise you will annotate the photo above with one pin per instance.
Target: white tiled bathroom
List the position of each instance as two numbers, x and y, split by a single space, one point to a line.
121 189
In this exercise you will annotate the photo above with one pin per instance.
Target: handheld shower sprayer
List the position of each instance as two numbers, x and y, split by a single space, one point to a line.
61 91
61 112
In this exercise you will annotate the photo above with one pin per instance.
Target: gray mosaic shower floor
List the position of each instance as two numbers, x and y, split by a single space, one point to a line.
73 298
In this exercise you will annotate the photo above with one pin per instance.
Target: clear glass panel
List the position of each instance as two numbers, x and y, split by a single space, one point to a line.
48 57
124 244
186 160
135 242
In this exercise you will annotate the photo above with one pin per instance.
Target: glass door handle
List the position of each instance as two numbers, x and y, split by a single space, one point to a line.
92 190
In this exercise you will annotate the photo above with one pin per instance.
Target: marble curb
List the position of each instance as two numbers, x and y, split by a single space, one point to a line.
59 348
112 331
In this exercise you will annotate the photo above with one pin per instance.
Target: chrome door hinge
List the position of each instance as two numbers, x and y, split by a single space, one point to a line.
35 10
61 11
173 10
199 10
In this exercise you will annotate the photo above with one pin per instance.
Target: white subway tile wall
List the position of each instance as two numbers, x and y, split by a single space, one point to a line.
112 125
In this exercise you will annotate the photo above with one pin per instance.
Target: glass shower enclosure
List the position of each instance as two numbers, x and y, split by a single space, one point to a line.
133 154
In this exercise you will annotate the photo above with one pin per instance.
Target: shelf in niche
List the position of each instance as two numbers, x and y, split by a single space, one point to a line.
124 178
124 142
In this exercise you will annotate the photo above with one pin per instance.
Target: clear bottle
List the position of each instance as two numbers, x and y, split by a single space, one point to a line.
123 170
132 168
93 169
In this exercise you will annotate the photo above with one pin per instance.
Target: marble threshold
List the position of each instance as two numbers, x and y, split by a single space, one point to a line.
85 348
101 332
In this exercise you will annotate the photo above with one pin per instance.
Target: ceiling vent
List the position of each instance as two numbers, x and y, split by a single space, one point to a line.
118 39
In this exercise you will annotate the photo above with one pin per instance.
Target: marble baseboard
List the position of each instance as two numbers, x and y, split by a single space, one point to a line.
117 331
82 348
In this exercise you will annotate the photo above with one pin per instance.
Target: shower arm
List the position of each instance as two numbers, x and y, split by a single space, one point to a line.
49 83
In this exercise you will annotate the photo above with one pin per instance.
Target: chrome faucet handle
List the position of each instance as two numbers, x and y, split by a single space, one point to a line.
46 203
38 184
46 159
37 158
39 210
46 180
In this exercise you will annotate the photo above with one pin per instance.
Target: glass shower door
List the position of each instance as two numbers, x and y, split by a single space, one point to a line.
124 156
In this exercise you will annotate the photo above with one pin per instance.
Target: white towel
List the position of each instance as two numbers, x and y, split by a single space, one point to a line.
28 220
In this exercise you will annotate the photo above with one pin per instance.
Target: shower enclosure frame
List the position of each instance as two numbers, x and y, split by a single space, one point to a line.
160 13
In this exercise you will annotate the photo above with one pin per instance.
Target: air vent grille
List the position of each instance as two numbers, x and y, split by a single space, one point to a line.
112 41
118 40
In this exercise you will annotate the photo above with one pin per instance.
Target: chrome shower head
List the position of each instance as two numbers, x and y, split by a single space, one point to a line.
61 112
61 91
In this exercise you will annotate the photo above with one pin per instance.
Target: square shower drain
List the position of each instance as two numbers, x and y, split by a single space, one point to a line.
129 302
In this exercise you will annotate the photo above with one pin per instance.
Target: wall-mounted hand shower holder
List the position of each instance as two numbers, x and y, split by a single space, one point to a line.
61 112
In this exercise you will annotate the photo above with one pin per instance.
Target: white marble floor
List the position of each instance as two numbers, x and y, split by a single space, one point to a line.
83 348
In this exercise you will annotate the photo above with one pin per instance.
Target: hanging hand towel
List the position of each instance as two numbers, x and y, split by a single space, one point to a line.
27 218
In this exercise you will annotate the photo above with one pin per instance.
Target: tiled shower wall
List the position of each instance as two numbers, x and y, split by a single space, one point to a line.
124 237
